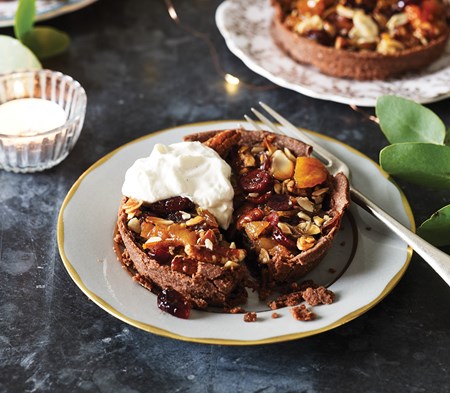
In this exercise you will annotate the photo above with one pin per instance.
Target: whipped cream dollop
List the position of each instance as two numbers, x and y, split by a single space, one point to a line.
187 169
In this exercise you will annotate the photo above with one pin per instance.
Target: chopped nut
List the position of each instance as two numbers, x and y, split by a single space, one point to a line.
277 187
185 216
268 145
230 265
233 245
150 242
320 191
314 22
158 221
257 149
134 225
275 315
344 11
303 216
305 204
284 228
289 154
281 167
318 220
209 244
131 207
396 20
364 28
263 256
194 221
313 230
305 243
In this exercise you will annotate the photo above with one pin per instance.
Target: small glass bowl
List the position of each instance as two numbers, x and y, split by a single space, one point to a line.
44 150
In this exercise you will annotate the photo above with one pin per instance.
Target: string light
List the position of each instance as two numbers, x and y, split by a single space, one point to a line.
231 79
366 115
232 82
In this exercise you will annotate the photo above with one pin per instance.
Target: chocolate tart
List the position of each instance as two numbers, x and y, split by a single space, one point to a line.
354 64
281 229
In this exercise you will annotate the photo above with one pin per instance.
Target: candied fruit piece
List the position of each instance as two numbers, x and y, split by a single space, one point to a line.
255 228
174 303
172 205
309 172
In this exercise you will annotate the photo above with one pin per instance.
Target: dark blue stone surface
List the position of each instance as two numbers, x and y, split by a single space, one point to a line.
143 73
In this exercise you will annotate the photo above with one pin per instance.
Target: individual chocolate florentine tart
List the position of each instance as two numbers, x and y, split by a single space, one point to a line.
362 39
287 209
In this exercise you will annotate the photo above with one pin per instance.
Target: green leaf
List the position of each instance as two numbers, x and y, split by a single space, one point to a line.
436 229
425 164
402 120
46 41
24 19
15 56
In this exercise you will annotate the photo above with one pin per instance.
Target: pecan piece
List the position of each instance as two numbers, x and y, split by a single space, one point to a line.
223 141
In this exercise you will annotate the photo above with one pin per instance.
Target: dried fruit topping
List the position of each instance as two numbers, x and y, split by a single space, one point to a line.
280 202
309 172
257 180
254 229
184 265
258 199
282 239
273 218
174 303
160 252
172 205
255 214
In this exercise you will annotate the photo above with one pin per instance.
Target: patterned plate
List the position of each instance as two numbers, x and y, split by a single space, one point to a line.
45 9
245 27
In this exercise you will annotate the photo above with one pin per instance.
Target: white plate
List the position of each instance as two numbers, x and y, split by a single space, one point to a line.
85 230
45 9
245 26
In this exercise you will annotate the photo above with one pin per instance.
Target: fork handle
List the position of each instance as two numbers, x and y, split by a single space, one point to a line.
437 259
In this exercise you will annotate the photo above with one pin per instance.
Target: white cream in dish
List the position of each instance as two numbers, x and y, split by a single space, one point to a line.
187 169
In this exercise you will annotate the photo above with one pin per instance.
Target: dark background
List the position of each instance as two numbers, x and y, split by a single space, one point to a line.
143 73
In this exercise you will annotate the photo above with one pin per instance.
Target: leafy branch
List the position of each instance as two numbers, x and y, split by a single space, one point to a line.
44 41
419 153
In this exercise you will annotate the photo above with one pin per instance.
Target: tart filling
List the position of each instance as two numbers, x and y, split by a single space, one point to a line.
287 208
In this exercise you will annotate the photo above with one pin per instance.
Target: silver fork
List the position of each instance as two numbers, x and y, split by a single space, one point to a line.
437 259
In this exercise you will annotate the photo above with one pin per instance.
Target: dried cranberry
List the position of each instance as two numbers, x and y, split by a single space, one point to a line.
273 218
172 205
255 214
320 36
160 252
174 303
184 265
282 239
280 202
257 180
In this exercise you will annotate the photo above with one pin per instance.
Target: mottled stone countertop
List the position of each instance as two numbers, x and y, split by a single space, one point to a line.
143 73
